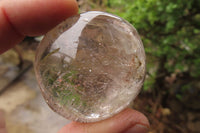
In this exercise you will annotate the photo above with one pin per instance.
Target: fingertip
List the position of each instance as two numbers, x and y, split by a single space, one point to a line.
20 18
128 118
36 17
122 122
72 5
133 115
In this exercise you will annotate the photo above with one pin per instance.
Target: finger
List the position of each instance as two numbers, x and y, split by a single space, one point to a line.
2 123
128 121
19 18
33 17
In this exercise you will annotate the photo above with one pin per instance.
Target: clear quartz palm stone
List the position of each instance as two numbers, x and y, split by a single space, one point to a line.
91 66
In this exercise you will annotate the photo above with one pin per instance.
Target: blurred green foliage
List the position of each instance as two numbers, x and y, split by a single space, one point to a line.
170 31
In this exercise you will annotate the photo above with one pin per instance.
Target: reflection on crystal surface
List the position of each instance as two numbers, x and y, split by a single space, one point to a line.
91 66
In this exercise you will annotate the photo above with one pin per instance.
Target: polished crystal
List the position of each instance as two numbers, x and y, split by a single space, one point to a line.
91 66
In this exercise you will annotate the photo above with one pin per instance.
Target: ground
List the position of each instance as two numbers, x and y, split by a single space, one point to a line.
21 100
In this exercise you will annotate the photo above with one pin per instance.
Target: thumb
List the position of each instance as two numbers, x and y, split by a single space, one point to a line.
128 121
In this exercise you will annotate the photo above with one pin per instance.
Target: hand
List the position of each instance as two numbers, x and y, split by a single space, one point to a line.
2 123
20 18
127 121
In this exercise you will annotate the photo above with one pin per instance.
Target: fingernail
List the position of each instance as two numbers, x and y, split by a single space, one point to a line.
137 129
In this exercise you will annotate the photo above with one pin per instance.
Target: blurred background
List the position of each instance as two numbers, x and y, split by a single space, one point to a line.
170 31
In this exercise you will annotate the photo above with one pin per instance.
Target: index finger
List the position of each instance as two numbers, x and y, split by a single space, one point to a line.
20 18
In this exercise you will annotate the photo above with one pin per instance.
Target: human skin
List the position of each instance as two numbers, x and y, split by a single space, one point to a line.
21 18
2 123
